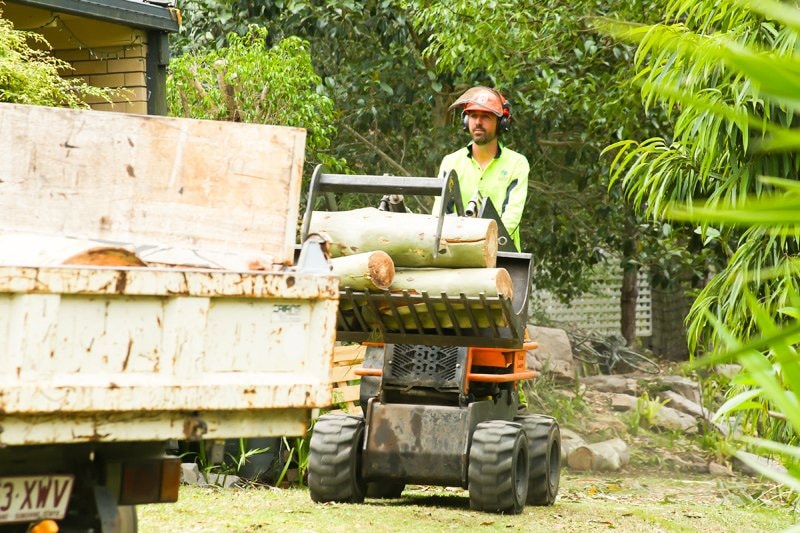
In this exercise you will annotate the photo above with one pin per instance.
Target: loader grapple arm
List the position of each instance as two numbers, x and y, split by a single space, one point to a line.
411 317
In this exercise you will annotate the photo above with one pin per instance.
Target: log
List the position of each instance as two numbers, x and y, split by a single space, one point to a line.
367 271
409 238
106 256
609 455
37 250
455 281
41 249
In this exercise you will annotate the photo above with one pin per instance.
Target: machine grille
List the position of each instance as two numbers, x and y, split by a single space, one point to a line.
417 362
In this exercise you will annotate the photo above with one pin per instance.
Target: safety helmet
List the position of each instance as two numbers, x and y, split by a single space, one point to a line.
482 98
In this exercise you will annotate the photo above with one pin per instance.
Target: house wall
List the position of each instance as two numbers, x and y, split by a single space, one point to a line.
102 53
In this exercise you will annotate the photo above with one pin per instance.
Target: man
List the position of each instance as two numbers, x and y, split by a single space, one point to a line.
485 165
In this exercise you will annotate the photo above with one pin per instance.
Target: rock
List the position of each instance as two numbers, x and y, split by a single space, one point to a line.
613 383
745 468
686 387
729 371
672 419
554 353
623 402
679 402
718 470
601 423
221 480
190 473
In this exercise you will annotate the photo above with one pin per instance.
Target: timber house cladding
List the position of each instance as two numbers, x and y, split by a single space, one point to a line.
110 43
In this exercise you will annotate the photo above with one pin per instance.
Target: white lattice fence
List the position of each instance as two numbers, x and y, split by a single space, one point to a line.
599 309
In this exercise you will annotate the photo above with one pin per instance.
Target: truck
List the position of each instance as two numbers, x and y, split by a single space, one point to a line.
217 333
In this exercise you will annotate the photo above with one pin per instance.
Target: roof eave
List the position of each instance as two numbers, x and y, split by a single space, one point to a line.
134 14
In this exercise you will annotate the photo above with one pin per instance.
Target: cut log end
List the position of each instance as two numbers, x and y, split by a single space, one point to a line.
105 257
381 270
504 285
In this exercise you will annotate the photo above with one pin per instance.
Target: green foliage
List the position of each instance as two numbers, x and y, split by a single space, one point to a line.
542 396
248 82
297 457
749 77
567 83
31 76
393 67
644 416
207 24
699 66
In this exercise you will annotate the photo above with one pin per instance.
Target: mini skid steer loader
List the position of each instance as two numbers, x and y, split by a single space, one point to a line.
441 404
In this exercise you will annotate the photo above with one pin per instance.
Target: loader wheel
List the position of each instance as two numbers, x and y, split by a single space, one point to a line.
334 461
498 468
544 450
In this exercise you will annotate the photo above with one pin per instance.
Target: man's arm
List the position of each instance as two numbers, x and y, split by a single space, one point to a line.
516 194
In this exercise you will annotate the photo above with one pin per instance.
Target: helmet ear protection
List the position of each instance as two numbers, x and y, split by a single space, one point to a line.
503 123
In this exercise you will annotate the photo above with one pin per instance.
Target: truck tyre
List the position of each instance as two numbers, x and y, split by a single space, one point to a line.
498 468
334 461
544 449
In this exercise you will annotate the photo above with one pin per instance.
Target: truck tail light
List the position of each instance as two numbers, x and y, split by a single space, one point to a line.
150 481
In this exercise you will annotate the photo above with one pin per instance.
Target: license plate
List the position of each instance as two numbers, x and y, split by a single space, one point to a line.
24 498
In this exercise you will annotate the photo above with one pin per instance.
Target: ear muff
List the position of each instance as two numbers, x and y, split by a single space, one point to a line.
465 120
504 124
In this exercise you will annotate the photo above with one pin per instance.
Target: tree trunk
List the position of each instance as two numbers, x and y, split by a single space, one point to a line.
364 272
630 287
628 297
409 238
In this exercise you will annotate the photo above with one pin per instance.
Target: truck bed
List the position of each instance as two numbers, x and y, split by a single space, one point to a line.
178 351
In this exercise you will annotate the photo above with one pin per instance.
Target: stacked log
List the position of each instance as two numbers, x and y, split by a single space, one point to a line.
409 238
365 271
465 263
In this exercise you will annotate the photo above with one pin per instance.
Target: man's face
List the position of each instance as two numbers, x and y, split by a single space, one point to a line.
482 126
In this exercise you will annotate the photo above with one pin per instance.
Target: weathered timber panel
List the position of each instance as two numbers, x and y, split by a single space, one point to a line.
148 180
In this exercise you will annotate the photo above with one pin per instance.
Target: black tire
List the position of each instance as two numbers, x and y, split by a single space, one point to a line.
334 460
386 490
544 450
637 361
498 467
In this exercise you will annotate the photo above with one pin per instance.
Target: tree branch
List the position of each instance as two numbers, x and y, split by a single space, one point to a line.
386 157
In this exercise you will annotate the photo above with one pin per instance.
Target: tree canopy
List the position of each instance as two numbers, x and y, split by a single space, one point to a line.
712 157
392 68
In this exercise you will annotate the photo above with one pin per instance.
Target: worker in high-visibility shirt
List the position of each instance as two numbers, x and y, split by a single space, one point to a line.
485 165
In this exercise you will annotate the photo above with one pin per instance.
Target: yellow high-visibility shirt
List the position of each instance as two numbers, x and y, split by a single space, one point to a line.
504 180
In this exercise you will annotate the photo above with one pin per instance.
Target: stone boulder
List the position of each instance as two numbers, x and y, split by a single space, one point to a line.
554 353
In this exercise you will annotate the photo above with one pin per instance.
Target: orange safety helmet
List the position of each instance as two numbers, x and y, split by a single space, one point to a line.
482 98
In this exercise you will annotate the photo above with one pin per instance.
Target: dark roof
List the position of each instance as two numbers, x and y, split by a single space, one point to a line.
154 15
